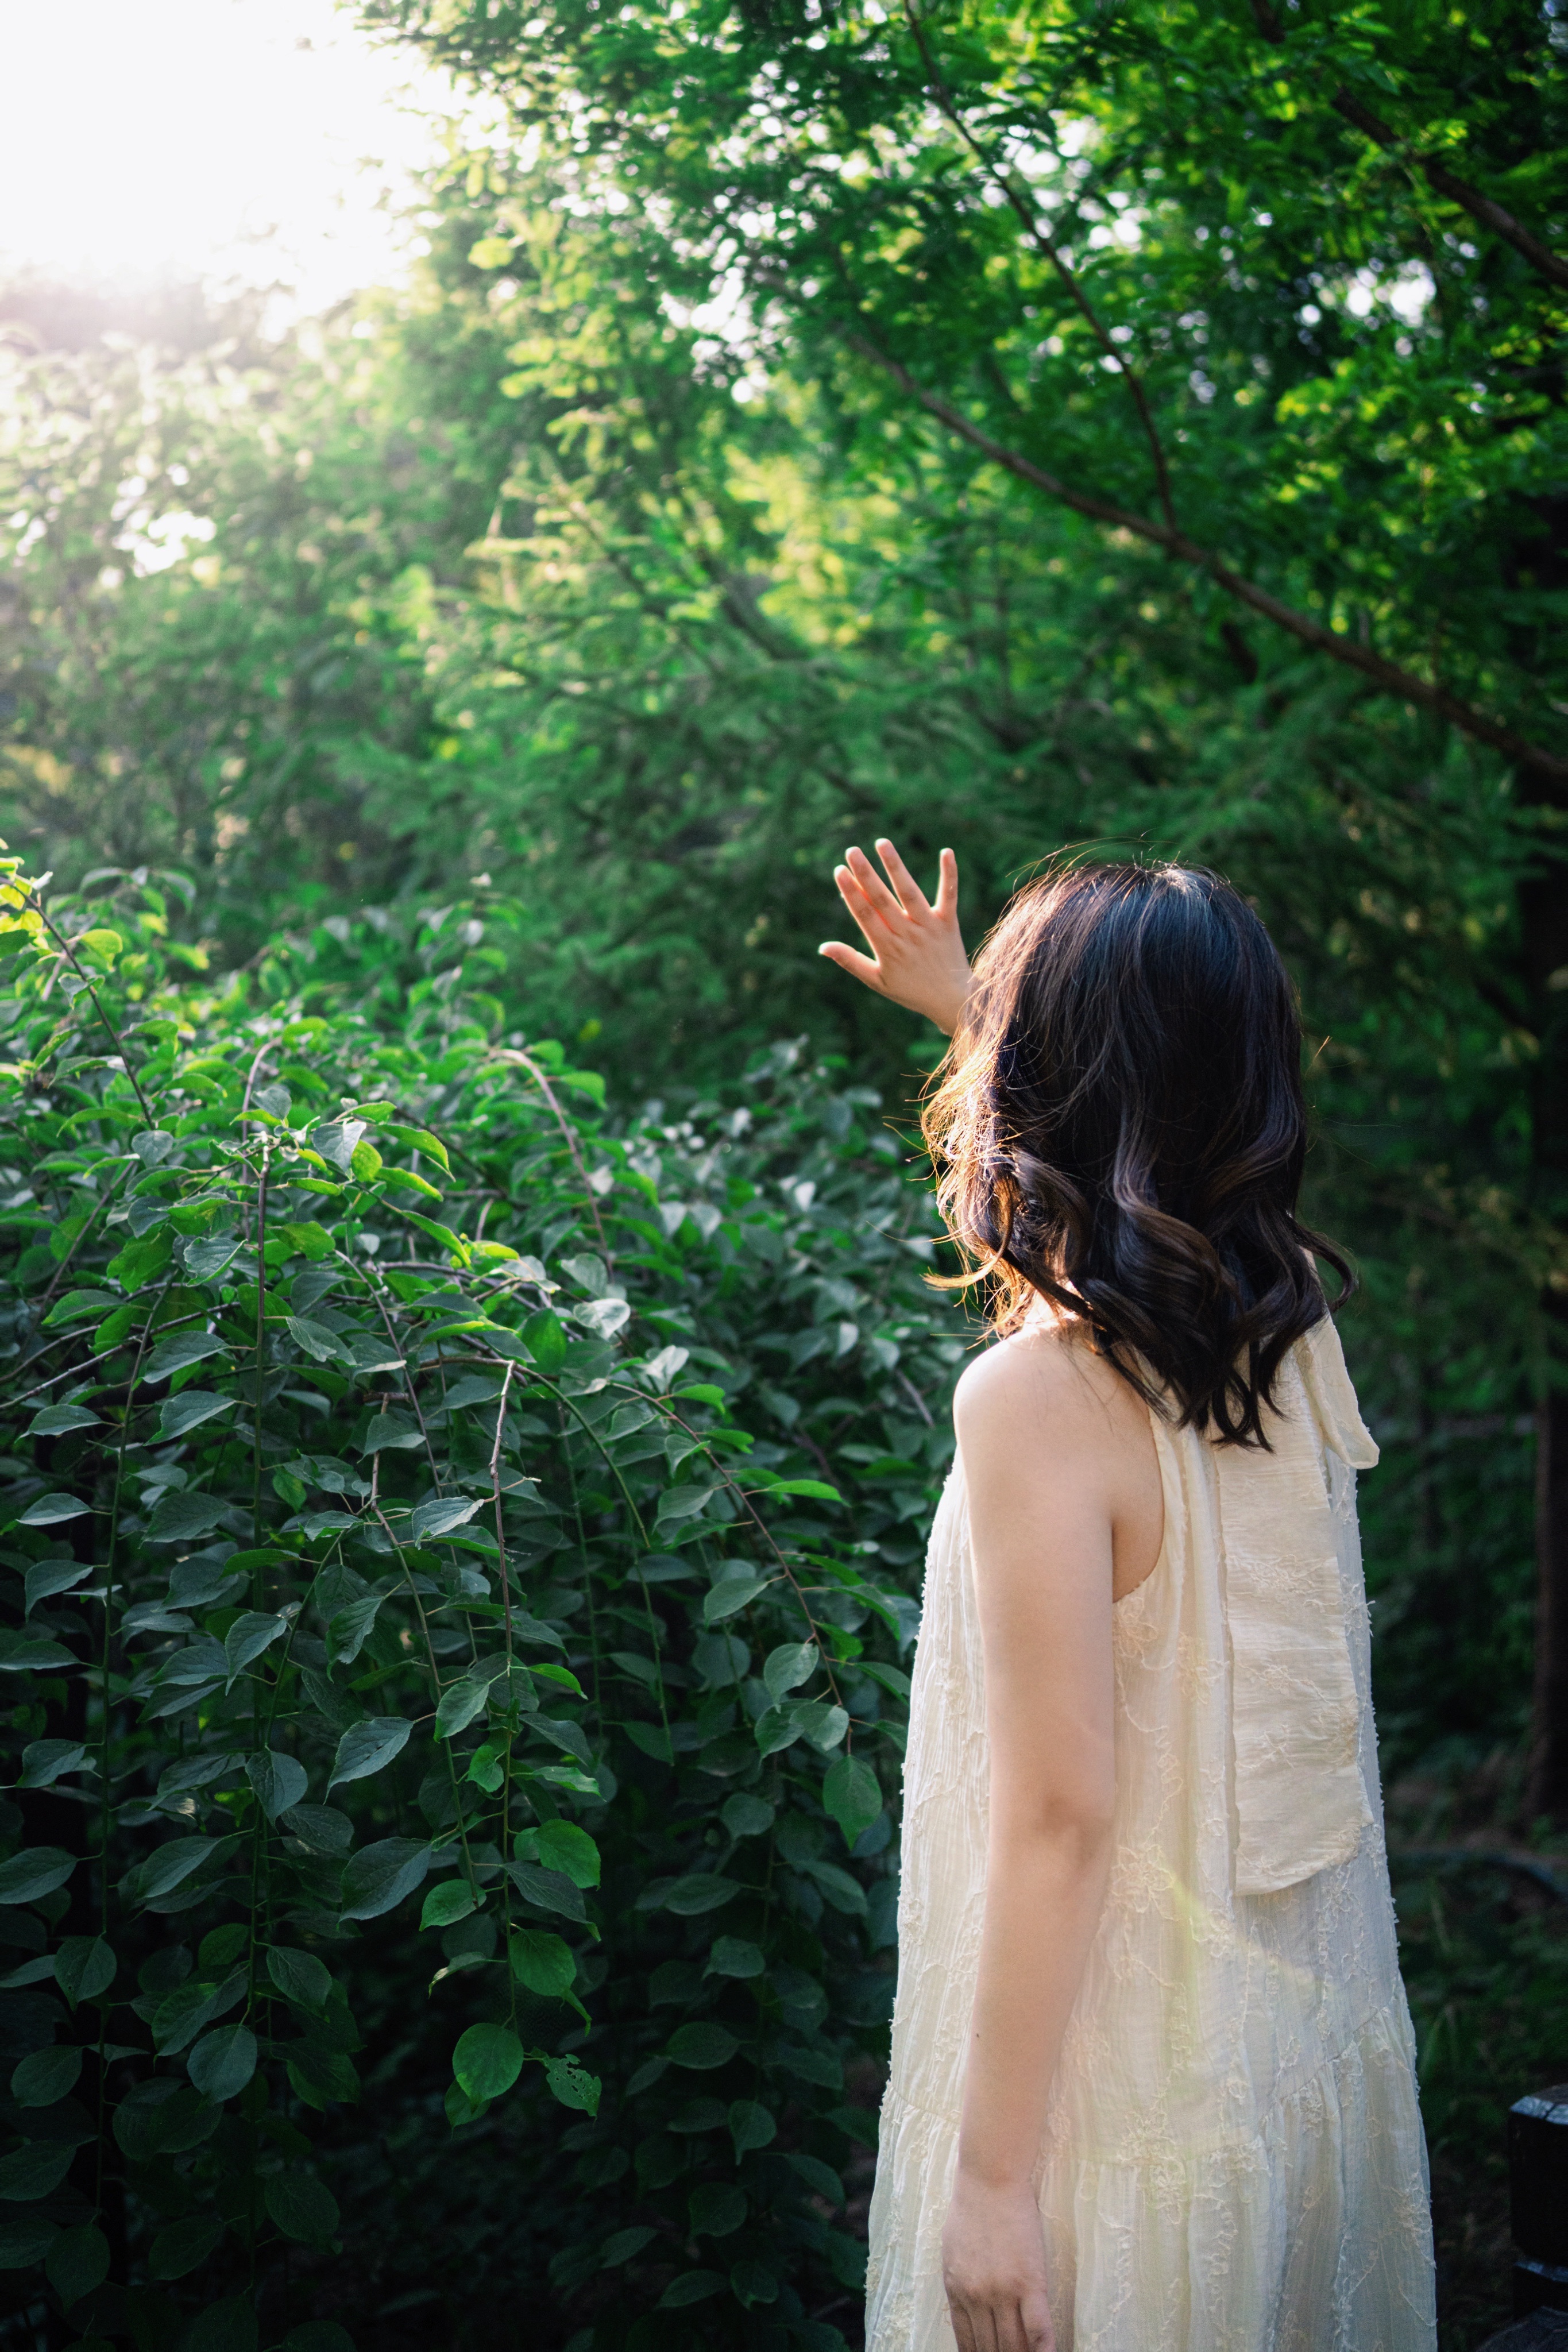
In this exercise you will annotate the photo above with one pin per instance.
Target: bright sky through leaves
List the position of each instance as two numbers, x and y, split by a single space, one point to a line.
225 138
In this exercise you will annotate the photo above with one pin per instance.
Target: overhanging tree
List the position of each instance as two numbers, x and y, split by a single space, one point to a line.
1278 291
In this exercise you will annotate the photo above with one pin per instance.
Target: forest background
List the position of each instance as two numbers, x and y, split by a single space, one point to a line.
1130 426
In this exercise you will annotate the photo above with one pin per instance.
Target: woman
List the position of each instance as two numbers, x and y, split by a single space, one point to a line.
1152 2080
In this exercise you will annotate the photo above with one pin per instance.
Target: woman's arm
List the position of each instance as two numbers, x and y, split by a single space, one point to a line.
917 955
1044 1447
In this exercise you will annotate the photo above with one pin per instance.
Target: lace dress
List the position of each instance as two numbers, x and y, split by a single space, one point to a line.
1233 2158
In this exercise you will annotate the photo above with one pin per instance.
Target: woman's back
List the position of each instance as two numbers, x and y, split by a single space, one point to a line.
1233 2156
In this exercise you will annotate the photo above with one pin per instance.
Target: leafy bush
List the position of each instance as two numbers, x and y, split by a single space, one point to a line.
457 1551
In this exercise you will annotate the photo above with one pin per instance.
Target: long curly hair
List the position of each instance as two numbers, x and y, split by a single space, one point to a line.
1120 1126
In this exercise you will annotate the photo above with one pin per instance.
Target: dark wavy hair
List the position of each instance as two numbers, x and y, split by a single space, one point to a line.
1118 1126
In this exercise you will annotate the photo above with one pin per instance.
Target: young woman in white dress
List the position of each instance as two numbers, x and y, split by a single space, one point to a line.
1153 2084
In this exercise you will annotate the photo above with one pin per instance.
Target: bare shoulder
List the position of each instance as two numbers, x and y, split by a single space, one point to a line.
1045 1377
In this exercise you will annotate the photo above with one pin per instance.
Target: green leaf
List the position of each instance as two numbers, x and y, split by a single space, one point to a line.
776 1730
33 1873
227 2327
792 1663
300 1977
279 1780
184 2247
48 1577
34 2171
419 1138
734 1590
391 1429
180 1517
574 2085
692 1897
545 1337
24 1652
624 2245
181 2015
542 1962
488 2061
76 2262
844 1892
189 1409
51 1510
180 1349
316 1340
852 1796
177 1860
47 2076
366 1748
348 1628
26 2240
221 2063
378 1877
453 1900
439 1514
45 1762
652 1738
751 2125
824 1725
691 2287
732 1956
818 2177
113 1329
59 1420
85 1966
562 1846
250 1633
208 1261
702 2045
302 2207
72 1309
311 1240
547 1890
459 1705
716 2210
754 2283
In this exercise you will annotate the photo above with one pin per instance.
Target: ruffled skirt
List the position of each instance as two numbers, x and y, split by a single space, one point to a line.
1306 2233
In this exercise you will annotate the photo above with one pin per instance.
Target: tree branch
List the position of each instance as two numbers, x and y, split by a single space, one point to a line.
1020 196
1551 266
1386 675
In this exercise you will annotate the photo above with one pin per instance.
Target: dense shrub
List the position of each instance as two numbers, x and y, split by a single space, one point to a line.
457 1551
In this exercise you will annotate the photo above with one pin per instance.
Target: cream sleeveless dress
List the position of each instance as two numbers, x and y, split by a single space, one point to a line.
1233 2158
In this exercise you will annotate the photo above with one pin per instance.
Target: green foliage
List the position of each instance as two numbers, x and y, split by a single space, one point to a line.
443 1672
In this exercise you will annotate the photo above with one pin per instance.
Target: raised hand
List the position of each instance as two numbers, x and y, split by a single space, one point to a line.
917 956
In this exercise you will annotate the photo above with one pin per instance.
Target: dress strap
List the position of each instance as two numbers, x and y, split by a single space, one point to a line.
1300 1801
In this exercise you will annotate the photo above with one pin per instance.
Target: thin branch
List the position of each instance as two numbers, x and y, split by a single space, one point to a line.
1020 198
1491 215
1385 675
527 1062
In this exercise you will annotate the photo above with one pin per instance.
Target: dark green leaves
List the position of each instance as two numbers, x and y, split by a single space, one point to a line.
303 2208
37 1871
378 1877
368 1747
47 2075
279 1780
702 2045
180 1349
221 2063
853 1795
488 2061
300 1977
